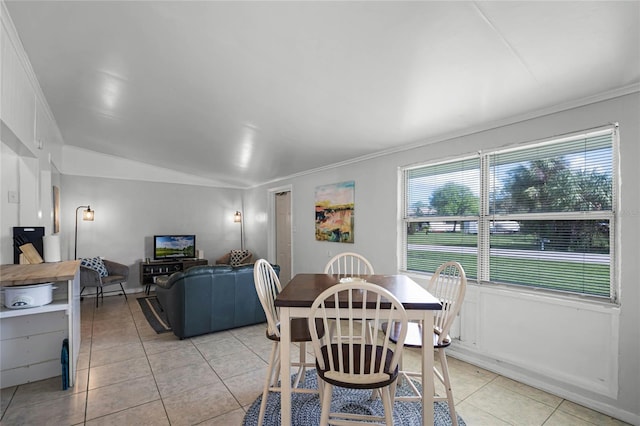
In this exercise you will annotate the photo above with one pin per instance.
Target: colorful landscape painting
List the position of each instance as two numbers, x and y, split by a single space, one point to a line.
334 212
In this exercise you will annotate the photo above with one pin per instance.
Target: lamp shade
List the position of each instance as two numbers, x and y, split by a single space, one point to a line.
88 214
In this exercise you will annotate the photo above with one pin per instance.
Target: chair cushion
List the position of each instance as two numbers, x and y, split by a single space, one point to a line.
299 330
113 279
414 336
237 257
375 381
96 264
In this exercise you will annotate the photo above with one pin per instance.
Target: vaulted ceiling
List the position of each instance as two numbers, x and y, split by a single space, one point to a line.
243 93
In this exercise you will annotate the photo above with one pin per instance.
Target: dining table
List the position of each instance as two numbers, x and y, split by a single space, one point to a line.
297 296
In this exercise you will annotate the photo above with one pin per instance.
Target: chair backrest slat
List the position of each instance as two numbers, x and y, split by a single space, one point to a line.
268 287
361 302
449 285
348 264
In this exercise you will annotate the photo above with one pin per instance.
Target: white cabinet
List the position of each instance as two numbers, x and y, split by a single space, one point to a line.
31 346
31 339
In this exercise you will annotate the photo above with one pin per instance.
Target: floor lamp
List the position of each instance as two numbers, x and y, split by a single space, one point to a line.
237 218
86 215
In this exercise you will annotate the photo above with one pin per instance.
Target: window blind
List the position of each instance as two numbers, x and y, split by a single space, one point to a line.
538 215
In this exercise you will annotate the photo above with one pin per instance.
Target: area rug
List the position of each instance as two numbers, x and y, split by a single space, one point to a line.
154 314
306 407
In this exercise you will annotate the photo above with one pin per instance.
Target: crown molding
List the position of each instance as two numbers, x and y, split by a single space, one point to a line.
565 106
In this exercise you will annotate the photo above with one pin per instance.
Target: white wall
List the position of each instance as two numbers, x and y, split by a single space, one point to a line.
8 208
596 346
26 195
30 139
129 213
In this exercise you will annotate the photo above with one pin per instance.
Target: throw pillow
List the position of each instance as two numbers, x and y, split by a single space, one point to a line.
96 264
237 256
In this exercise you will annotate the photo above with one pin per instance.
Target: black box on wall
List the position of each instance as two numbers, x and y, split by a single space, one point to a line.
24 235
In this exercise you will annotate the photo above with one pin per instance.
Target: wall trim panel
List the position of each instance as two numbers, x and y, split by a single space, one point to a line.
503 329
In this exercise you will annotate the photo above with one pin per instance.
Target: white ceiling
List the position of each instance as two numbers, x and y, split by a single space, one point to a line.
246 92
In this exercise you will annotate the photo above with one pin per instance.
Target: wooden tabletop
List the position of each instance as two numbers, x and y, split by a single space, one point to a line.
303 289
14 275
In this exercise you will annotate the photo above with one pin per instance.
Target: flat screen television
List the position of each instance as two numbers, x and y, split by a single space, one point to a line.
168 247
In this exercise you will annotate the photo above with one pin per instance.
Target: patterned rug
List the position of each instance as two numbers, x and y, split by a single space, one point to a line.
306 407
154 314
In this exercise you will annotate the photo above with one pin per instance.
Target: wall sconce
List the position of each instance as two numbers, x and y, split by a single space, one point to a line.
237 218
87 215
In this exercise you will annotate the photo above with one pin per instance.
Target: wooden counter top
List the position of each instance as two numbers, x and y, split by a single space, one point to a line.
13 275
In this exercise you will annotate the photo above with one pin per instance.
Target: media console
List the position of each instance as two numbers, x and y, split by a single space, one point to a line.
149 271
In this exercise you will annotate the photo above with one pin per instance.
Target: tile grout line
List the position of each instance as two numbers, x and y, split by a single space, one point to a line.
497 376
86 397
146 355
221 380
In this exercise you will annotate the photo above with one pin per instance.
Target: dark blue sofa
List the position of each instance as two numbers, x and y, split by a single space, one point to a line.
204 299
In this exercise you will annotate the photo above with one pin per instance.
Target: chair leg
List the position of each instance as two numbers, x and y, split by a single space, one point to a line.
392 390
302 368
447 386
320 386
276 376
401 377
326 404
97 294
388 408
267 383
123 292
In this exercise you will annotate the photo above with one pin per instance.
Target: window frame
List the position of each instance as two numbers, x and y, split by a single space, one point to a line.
485 217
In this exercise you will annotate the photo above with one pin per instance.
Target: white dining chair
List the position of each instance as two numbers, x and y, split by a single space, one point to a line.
268 287
449 285
348 264
346 359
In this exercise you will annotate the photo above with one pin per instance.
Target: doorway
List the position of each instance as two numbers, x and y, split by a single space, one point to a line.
282 214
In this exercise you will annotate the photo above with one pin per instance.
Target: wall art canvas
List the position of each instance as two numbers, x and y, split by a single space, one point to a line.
334 212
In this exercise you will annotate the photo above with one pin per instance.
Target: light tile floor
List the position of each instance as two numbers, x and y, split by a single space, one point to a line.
128 374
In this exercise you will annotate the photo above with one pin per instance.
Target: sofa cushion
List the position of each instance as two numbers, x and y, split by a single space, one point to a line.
96 264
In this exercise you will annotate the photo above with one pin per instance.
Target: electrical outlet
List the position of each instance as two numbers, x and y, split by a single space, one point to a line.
13 197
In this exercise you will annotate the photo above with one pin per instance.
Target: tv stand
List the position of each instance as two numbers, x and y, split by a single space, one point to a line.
157 268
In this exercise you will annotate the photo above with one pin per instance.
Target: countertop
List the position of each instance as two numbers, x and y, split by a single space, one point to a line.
15 275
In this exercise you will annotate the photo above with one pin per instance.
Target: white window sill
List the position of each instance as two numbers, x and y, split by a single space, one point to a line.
529 292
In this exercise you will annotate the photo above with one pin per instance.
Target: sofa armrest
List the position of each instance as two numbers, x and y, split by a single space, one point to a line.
165 281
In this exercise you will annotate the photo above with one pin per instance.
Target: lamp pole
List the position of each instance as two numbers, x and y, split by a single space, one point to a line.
238 219
86 215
